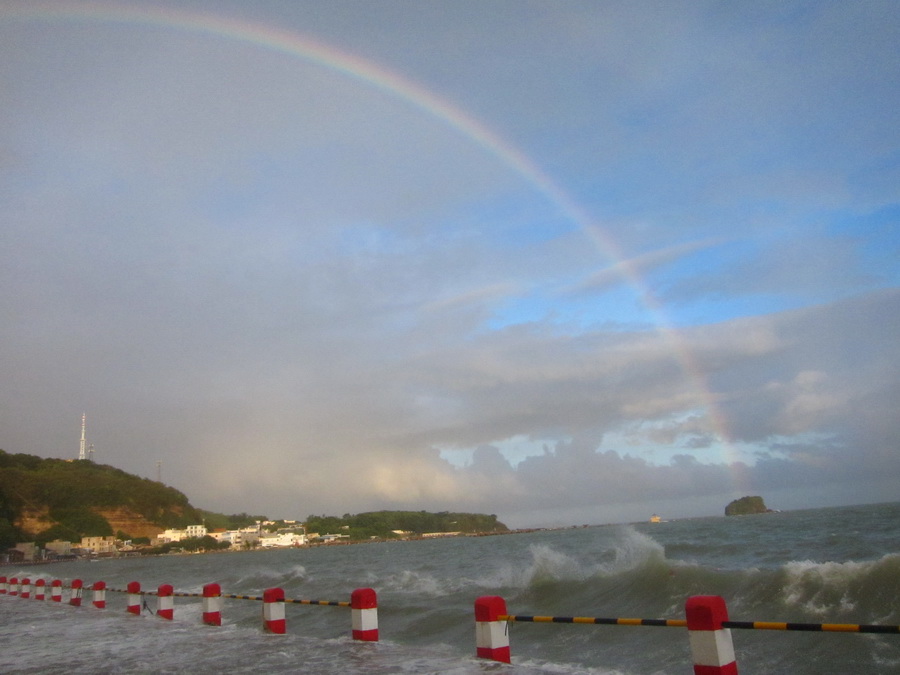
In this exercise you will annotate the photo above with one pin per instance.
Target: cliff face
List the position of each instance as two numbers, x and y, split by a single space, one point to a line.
746 506
125 520
121 519
32 521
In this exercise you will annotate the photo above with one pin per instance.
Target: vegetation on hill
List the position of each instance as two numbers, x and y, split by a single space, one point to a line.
387 524
235 521
746 506
72 496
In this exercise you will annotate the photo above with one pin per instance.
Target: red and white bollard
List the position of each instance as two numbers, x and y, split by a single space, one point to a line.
212 605
99 599
40 587
25 588
75 598
56 590
364 614
711 645
491 634
4 586
165 602
273 611
134 597
14 586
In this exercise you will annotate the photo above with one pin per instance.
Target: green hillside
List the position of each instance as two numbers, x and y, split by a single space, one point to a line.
383 524
74 495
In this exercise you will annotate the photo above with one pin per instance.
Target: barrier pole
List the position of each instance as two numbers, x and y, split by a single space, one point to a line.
56 590
212 605
364 614
4 586
99 599
165 602
14 586
75 598
25 590
134 597
711 645
273 611
40 589
491 635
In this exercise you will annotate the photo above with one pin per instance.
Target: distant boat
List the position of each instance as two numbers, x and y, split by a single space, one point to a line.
655 519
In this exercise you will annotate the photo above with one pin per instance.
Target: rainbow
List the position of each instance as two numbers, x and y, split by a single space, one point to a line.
373 75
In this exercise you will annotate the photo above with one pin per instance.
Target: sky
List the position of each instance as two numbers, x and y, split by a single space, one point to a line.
565 263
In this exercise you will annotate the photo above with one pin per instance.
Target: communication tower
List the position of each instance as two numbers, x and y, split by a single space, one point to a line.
81 451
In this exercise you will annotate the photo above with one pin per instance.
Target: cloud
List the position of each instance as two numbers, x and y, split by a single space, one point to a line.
302 294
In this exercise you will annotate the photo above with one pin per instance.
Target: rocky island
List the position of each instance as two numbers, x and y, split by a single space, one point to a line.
746 506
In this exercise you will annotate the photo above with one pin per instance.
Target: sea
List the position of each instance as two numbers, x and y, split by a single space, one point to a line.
827 565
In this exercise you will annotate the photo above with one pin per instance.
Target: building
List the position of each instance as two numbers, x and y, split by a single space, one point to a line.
282 540
99 545
28 552
59 548
195 531
245 537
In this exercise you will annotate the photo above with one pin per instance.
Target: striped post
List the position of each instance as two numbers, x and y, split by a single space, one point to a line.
99 599
364 614
491 636
25 590
4 586
40 589
273 611
75 598
14 586
212 605
134 597
711 645
165 602
56 590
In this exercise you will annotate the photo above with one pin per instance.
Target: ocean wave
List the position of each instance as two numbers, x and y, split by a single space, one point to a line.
870 589
265 577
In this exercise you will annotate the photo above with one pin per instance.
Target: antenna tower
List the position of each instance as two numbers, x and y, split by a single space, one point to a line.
81 453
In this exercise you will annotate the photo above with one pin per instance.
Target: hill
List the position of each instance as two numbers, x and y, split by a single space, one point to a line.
45 499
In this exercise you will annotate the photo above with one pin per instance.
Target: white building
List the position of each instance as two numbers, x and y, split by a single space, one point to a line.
169 536
282 539
237 538
195 531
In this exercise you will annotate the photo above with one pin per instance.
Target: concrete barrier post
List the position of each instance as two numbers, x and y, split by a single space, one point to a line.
99 599
75 597
40 587
711 645
212 605
134 597
165 602
4 586
273 611
491 635
364 614
14 586
56 590
25 589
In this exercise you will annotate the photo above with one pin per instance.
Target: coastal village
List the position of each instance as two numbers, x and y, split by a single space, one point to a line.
264 534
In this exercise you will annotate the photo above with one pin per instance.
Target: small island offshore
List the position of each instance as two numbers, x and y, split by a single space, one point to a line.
746 506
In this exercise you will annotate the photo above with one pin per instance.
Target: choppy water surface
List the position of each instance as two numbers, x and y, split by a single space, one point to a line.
838 565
